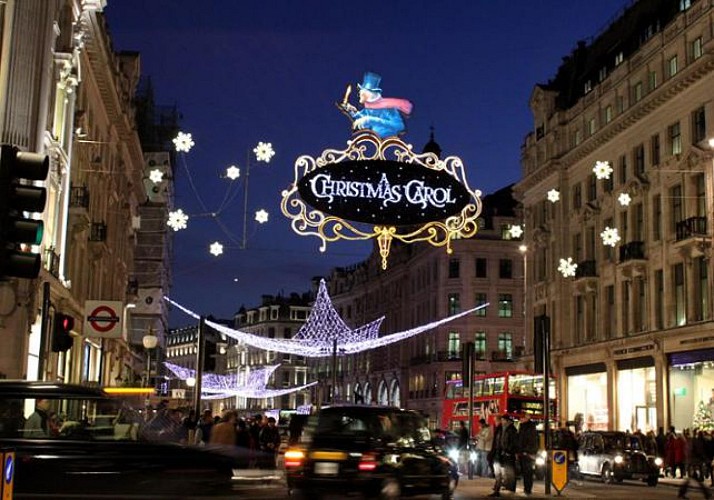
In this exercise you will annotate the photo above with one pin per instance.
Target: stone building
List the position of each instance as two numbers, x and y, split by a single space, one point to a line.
631 331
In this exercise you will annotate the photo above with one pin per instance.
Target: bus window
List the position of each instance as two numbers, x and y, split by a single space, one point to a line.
498 384
478 388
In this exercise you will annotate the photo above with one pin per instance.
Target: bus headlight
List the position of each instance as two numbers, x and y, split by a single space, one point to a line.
618 459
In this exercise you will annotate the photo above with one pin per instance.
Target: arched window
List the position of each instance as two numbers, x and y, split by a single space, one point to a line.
368 393
383 394
394 396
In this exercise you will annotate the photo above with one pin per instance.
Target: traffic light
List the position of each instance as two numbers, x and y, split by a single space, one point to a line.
210 350
61 337
16 199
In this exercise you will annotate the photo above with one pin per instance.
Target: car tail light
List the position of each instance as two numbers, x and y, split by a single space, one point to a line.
294 458
368 462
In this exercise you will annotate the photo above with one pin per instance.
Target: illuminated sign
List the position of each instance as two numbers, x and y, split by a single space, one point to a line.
383 192
378 188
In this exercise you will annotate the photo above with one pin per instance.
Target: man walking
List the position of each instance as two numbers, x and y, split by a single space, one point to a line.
527 448
483 448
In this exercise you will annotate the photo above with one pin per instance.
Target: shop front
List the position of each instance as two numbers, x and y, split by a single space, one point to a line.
691 387
587 403
636 394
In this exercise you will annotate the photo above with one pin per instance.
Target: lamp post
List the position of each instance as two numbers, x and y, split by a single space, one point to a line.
149 341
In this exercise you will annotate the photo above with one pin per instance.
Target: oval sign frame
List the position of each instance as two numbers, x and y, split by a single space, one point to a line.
386 192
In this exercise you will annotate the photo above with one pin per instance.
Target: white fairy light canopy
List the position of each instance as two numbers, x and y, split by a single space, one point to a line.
324 330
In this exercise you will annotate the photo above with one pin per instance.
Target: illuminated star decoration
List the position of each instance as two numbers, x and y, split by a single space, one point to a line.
553 195
261 216
264 151
183 142
216 248
317 336
610 236
177 220
516 231
602 170
567 267
232 172
624 199
156 176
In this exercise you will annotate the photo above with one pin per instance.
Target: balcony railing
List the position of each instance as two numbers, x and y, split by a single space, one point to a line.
634 250
688 228
79 197
586 269
98 232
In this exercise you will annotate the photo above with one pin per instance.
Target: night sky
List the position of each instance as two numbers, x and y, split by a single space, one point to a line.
247 71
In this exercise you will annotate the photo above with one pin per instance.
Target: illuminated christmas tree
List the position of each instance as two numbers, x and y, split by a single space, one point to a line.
703 418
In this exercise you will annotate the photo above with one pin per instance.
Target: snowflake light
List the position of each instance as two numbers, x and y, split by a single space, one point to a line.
216 248
516 231
316 338
624 199
232 172
156 176
553 195
261 216
567 267
610 236
602 170
177 220
264 151
183 142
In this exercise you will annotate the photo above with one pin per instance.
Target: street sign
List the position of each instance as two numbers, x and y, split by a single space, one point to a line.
102 318
7 459
559 469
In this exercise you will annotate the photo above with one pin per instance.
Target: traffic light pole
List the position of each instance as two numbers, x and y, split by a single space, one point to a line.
44 326
546 404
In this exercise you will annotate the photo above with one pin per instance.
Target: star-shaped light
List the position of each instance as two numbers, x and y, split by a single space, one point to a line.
624 199
216 248
610 236
177 220
156 176
602 170
183 142
264 151
553 195
567 267
232 172
261 216
516 231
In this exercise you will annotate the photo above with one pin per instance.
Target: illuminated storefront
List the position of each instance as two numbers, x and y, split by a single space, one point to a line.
587 396
691 384
636 395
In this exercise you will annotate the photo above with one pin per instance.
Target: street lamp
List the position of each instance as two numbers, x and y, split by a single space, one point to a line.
150 340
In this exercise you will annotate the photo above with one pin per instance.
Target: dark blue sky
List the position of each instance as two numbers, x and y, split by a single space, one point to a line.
247 71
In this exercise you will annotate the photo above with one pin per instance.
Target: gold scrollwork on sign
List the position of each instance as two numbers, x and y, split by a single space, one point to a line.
367 146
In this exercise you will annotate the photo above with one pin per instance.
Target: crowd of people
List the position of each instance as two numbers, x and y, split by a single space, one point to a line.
254 441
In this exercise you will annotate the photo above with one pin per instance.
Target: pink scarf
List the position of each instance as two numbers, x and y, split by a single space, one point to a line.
390 102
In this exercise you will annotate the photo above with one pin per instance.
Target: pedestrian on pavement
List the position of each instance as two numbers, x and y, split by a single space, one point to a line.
495 444
483 448
270 444
463 444
505 460
224 432
527 450
203 428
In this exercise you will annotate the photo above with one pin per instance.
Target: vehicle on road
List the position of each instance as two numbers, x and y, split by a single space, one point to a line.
616 456
378 452
81 441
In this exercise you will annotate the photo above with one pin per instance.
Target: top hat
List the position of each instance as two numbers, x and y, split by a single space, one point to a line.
370 82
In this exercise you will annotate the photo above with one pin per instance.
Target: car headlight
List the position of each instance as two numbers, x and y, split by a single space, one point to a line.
454 454
540 461
658 462
618 459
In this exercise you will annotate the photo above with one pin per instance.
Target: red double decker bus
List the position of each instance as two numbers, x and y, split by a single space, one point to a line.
512 392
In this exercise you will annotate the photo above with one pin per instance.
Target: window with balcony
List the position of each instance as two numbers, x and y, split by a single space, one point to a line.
701 291
638 156
674 139
454 345
657 217
480 299
619 58
699 125
680 304
607 114
637 92
640 305
602 74
659 299
505 345
676 207
577 137
625 307
592 126
611 322
622 170
652 80
592 188
505 305
481 267
577 196
480 345
577 247
453 268
579 319
454 304
505 269
638 222
697 48
672 66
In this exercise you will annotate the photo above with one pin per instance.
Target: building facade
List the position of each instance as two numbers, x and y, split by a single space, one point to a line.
64 92
423 284
631 337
